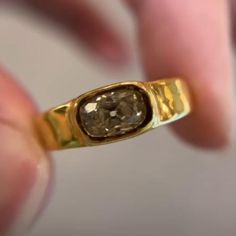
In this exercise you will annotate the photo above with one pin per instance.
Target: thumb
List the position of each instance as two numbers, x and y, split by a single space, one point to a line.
24 166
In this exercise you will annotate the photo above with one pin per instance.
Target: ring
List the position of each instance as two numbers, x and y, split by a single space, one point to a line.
113 113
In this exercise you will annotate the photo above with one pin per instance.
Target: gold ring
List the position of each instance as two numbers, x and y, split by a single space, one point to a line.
113 113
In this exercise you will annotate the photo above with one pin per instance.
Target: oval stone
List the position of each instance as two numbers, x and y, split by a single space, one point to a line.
113 113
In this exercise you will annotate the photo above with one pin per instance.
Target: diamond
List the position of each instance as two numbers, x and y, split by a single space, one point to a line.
113 113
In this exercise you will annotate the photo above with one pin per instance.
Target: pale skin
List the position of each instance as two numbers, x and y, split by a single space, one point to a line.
190 38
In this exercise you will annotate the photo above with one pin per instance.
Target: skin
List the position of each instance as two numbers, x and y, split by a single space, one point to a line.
191 39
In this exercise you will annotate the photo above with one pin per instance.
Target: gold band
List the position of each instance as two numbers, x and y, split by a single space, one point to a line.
146 104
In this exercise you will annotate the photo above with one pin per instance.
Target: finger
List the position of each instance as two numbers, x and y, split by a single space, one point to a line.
191 39
86 23
24 166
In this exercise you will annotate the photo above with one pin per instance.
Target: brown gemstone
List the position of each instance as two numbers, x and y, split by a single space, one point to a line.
113 113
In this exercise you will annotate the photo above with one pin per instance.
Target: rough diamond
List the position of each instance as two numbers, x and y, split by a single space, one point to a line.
113 113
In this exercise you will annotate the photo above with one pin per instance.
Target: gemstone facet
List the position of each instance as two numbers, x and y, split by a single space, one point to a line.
113 113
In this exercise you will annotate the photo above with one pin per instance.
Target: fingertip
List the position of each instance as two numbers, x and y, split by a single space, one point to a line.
199 137
192 39
25 170
24 180
85 22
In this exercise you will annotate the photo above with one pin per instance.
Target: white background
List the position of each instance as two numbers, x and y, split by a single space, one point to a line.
151 185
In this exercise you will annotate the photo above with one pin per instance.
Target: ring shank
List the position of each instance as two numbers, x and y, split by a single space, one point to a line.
173 99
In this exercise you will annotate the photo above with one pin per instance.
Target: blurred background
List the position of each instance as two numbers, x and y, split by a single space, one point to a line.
151 185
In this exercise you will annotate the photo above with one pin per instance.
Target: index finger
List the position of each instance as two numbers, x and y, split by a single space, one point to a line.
192 39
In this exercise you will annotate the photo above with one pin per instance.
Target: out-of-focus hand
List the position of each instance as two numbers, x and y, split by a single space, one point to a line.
189 38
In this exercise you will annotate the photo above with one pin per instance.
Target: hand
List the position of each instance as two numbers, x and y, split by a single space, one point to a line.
186 38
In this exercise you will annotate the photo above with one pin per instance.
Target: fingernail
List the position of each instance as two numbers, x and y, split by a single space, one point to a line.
25 177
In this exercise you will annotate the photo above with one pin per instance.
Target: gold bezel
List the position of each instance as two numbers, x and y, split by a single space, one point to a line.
86 139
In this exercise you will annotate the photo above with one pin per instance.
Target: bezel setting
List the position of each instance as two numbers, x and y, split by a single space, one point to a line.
115 131
81 131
